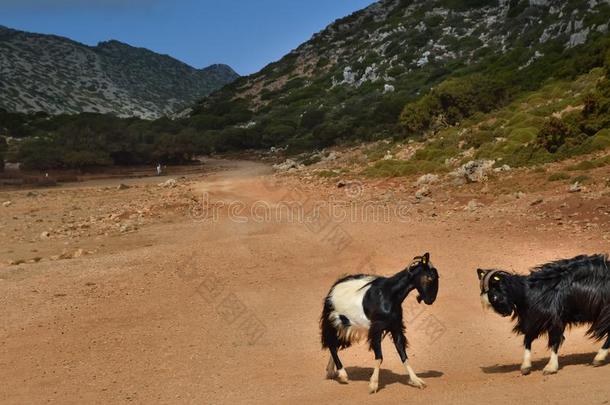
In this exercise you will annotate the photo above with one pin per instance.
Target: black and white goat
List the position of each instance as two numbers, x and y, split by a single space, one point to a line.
365 306
552 297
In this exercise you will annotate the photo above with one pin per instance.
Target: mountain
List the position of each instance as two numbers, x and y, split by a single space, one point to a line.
57 75
515 83
366 76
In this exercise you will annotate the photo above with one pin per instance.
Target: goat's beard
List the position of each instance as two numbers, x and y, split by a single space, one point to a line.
485 302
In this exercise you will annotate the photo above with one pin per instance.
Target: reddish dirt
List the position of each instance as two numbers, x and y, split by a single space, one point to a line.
196 311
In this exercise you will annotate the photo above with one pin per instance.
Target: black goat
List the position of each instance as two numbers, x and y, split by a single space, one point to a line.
371 306
554 296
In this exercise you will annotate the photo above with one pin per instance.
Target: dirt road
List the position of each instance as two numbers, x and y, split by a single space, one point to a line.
204 310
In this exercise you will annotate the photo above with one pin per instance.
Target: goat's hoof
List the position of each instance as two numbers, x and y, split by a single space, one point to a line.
342 376
526 370
373 387
549 371
417 383
598 363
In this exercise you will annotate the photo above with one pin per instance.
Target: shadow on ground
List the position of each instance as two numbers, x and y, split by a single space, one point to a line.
387 377
538 365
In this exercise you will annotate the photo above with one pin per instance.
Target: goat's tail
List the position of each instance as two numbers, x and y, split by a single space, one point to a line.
330 336
601 327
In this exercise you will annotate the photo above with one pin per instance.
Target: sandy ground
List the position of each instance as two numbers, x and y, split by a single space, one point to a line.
191 308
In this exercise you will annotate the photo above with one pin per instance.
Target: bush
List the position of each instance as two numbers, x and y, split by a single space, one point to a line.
400 168
553 134
3 148
559 176
312 119
42 154
581 179
452 101
85 158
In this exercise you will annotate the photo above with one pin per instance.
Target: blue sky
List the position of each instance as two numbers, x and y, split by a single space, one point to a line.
246 34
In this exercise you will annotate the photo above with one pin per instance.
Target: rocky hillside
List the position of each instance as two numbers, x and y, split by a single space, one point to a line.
57 75
355 78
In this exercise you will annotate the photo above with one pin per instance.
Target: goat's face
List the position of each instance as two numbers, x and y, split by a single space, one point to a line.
495 292
426 280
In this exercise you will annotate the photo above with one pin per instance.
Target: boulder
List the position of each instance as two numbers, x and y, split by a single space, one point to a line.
475 171
170 183
427 179
287 165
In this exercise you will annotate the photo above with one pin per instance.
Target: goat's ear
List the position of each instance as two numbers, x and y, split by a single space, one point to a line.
481 273
425 259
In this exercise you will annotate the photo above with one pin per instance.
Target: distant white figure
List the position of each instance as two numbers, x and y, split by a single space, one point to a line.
159 169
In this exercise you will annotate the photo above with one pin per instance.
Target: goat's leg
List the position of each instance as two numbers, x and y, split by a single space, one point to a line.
526 366
341 373
600 359
555 341
400 341
375 338
331 370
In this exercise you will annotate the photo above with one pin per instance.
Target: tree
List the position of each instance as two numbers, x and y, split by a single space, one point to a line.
40 153
3 148
312 119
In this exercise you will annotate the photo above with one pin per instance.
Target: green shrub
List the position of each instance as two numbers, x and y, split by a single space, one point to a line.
312 119
581 179
327 174
400 168
42 154
3 149
584 165
559 176
553 134
453 100
523 135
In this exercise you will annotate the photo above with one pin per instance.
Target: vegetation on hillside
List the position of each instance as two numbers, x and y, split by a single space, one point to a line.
57 75
96 140
473 79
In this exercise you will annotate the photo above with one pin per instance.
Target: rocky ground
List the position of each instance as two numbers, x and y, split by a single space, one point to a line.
75 220
479 190
132 293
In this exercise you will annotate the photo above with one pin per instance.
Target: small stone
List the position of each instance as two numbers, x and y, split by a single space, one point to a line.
503 168
16 262
575 188
537 201
473 205
422 193
78 253
45 235
7 203
122 187
170 183
427 179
